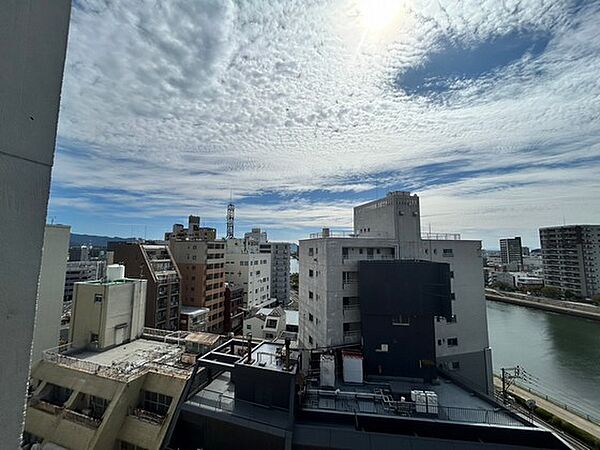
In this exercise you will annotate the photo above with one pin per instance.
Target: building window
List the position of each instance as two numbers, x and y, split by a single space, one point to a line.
98 298
439 342
447 252
401 320
452 342
310 273
452 296
349 277
455 365
311 251
271 323
127 446
93 337
382 348
310 295
310 317
156 403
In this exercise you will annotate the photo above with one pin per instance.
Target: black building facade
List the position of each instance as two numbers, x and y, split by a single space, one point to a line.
398 303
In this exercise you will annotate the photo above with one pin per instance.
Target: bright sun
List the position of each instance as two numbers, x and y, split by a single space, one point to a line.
378 14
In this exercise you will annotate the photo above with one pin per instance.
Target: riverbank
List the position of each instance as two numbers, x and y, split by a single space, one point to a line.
552 408
570 308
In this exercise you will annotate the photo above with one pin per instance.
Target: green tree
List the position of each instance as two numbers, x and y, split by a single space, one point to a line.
294 281
551 292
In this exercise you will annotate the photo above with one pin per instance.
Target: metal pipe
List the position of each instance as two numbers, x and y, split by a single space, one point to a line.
249 359
287 353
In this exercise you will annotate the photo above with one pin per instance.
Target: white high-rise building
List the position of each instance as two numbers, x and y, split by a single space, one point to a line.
250 270
389 228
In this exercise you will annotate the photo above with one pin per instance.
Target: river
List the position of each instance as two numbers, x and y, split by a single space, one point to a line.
562 353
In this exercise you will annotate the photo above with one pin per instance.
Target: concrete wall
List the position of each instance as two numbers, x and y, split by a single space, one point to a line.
33 38
50 291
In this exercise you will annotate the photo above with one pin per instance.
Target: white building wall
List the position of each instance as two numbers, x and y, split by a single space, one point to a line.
322 293
50 291
252 271
33 38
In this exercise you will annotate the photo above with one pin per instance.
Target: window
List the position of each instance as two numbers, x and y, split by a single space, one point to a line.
156 403
452 342
310 339
349 277
311 251
98 298
455 365
93 337
310 294
271 323
447 252
452 274
310 317
452 296
344 252
127 446
401 320
439 342
382 348
311 273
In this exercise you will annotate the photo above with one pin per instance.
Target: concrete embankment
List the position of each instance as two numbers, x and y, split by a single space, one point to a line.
558 411
586 311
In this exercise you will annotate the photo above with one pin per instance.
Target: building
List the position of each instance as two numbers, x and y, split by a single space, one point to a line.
33 43
117 384
108 312
511 252
280 269
519 280
50 291
571 258
384 230
79 271
193 231
399 302
200 258
234 313
193 318
272 323
251 271
254 397
154 263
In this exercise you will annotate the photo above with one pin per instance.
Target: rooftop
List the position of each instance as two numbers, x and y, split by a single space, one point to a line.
123 362
393 398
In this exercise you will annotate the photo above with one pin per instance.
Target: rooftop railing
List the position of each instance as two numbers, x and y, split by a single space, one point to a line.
440 236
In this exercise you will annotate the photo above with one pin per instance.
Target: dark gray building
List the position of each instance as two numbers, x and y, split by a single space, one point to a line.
399 302
511 252
280 269
262 402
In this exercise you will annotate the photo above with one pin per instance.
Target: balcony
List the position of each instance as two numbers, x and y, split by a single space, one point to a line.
147 416
352 337
82 419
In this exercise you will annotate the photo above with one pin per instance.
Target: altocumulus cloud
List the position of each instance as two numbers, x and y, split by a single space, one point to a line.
490 110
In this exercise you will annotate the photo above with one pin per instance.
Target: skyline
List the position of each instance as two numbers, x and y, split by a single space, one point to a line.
301 111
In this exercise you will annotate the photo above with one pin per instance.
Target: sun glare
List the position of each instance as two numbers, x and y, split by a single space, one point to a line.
378 14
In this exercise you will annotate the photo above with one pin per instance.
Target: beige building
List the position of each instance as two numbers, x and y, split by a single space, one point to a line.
200 258
108 312
117 384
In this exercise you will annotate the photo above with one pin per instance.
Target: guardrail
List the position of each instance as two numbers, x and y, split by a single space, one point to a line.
356 402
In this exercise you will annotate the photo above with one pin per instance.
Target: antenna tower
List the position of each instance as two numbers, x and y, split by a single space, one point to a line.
230 219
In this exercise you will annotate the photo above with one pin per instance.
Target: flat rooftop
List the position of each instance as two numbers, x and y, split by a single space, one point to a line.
126 361
454 403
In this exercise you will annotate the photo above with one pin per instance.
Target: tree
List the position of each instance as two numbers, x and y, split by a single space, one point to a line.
294 281
551 292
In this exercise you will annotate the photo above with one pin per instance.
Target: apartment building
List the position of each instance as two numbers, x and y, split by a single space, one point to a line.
251 271
116 385
571 258
154 263
78 271
193 231
280 269
50 289
511 252
234 303
389 229
201 262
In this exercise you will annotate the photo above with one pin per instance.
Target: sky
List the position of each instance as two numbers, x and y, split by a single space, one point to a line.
298 110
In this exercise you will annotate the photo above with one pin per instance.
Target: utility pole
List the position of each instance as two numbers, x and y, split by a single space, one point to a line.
508 376
503 385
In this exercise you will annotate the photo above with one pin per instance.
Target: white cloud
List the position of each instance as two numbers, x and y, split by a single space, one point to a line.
173 105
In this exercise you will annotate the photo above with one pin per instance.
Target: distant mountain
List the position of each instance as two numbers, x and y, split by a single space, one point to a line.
94 241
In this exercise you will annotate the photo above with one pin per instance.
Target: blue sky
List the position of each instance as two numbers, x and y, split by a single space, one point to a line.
299 110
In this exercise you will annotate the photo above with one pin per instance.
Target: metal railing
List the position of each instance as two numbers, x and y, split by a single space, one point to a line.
440 236
382 404
82 419
147 416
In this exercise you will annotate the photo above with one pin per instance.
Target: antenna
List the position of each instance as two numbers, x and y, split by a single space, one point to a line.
230 219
